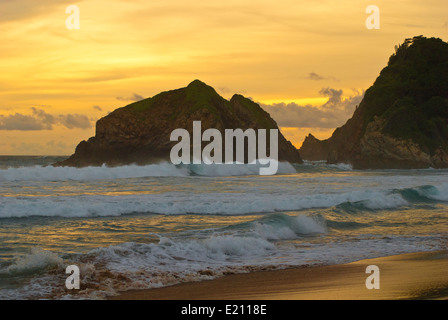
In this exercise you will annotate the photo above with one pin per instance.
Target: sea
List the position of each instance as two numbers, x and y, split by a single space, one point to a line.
141 227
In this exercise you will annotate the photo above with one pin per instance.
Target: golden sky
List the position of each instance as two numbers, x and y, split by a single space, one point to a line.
301 60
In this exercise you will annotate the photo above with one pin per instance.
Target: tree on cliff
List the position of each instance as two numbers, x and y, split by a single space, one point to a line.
403 118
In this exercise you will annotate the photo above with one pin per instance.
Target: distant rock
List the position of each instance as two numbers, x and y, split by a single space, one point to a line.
314 149
402 121
140 132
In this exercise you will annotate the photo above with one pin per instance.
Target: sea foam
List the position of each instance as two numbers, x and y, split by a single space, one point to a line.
50 173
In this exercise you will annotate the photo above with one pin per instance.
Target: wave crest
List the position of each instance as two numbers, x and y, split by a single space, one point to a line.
165 169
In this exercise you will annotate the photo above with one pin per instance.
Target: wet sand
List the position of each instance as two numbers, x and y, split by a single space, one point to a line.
406 276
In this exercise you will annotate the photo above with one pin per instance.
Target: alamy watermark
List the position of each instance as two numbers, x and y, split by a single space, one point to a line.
234 147
373 280
73 281
73 20
373 20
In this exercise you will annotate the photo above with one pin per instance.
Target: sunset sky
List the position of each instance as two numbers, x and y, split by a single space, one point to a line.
306 62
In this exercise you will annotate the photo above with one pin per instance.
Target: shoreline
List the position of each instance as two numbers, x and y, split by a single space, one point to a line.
420 275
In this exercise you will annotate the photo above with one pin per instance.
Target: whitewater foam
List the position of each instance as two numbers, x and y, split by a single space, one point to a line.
283 227
134 230
212 203
324 164
204 255
38 260
50 173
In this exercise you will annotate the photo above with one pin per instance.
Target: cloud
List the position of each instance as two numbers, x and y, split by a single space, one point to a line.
41 120
73 121
227 90
331 114
334 97
317 77
134 97
224 90
97 108
38 120
20 122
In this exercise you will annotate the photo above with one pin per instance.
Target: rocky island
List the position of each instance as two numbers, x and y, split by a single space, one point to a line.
140 132
402 121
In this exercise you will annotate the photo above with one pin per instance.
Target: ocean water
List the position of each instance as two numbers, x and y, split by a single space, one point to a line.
137 227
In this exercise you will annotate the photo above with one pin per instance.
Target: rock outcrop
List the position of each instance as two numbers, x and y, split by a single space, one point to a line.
140 132
402 121
314 149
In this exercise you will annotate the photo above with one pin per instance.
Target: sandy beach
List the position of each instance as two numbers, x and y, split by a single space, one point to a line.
408 276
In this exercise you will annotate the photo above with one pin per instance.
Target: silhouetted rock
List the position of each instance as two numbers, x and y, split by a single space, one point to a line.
314 149
140 132
402 121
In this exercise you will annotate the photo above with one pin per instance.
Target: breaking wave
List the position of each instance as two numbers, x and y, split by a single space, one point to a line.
50 173
213 203
172 259
168 260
